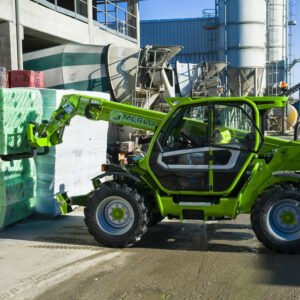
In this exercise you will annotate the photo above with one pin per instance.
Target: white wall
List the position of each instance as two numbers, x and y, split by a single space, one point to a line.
7 10
8 45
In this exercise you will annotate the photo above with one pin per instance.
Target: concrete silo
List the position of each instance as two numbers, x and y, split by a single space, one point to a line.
242 43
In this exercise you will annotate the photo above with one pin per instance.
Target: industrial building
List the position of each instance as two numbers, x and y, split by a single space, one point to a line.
254 37
30 25
199 39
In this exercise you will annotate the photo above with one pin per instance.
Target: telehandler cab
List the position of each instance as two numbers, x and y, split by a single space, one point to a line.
208 159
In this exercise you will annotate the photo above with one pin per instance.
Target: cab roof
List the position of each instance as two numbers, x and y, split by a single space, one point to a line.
262 103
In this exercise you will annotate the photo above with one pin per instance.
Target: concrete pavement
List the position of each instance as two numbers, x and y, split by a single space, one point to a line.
37 254
58 259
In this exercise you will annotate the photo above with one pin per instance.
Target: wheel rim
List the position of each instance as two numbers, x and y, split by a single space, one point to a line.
115 215
283 220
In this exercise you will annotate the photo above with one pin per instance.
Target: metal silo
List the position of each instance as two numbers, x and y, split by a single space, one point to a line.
242 43
276 50
276 29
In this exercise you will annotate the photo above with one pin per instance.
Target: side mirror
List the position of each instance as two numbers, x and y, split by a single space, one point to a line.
296 131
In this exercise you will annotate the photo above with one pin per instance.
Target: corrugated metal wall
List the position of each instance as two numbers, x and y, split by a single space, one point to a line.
199 43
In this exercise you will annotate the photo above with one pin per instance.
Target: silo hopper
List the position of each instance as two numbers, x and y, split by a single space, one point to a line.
246 81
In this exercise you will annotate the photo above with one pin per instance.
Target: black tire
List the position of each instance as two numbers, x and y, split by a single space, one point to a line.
155 218
275 217
101 223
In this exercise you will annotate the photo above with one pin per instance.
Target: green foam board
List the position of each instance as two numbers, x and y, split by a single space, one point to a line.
18 107
17 190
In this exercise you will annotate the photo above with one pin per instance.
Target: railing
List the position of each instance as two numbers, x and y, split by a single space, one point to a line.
208 13
76 9
210 18
106 14
116 17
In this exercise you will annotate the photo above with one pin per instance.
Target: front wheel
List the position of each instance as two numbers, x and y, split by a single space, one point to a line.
155 218
275 219
116 215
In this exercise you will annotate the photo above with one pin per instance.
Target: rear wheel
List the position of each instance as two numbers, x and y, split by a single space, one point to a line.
116 215
276 219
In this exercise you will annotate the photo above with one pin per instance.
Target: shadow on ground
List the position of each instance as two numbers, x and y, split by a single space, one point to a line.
66 231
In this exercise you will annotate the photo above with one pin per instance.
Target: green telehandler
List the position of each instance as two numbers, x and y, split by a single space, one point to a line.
208 159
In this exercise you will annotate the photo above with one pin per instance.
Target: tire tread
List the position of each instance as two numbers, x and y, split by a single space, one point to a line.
259 210
122 241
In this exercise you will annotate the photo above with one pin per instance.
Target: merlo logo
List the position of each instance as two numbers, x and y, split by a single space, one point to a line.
119 117
116 116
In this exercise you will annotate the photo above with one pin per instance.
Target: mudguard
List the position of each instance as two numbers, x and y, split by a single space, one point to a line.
117 171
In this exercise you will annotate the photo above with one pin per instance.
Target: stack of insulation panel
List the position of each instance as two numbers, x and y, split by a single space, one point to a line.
18 107
70 166
17 190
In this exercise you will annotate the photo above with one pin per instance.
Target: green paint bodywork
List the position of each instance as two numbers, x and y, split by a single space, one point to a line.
274 155
62 200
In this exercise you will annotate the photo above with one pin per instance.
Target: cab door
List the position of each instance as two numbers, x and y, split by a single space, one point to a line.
234 139
205 147
180 155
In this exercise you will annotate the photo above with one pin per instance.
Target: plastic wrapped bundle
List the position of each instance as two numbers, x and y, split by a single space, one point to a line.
18 107
24 78
71 66
17 190
71 165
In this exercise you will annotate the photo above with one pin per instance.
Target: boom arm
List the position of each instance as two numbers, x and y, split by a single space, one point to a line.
51 133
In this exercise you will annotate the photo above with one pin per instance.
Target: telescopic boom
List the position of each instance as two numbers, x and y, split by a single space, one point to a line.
50 133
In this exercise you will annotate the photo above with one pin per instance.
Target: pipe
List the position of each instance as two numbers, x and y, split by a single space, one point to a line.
225 46
19 35
137 13
90 20
286 38
255 82
240 85
292 64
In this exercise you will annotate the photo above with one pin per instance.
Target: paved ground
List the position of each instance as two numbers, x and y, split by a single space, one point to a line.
58 259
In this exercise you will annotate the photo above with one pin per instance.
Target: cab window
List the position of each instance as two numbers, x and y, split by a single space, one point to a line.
233 126
188 130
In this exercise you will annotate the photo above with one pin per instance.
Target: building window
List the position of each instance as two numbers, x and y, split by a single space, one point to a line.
114 15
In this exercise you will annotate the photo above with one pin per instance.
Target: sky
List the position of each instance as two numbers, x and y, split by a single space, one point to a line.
170 9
